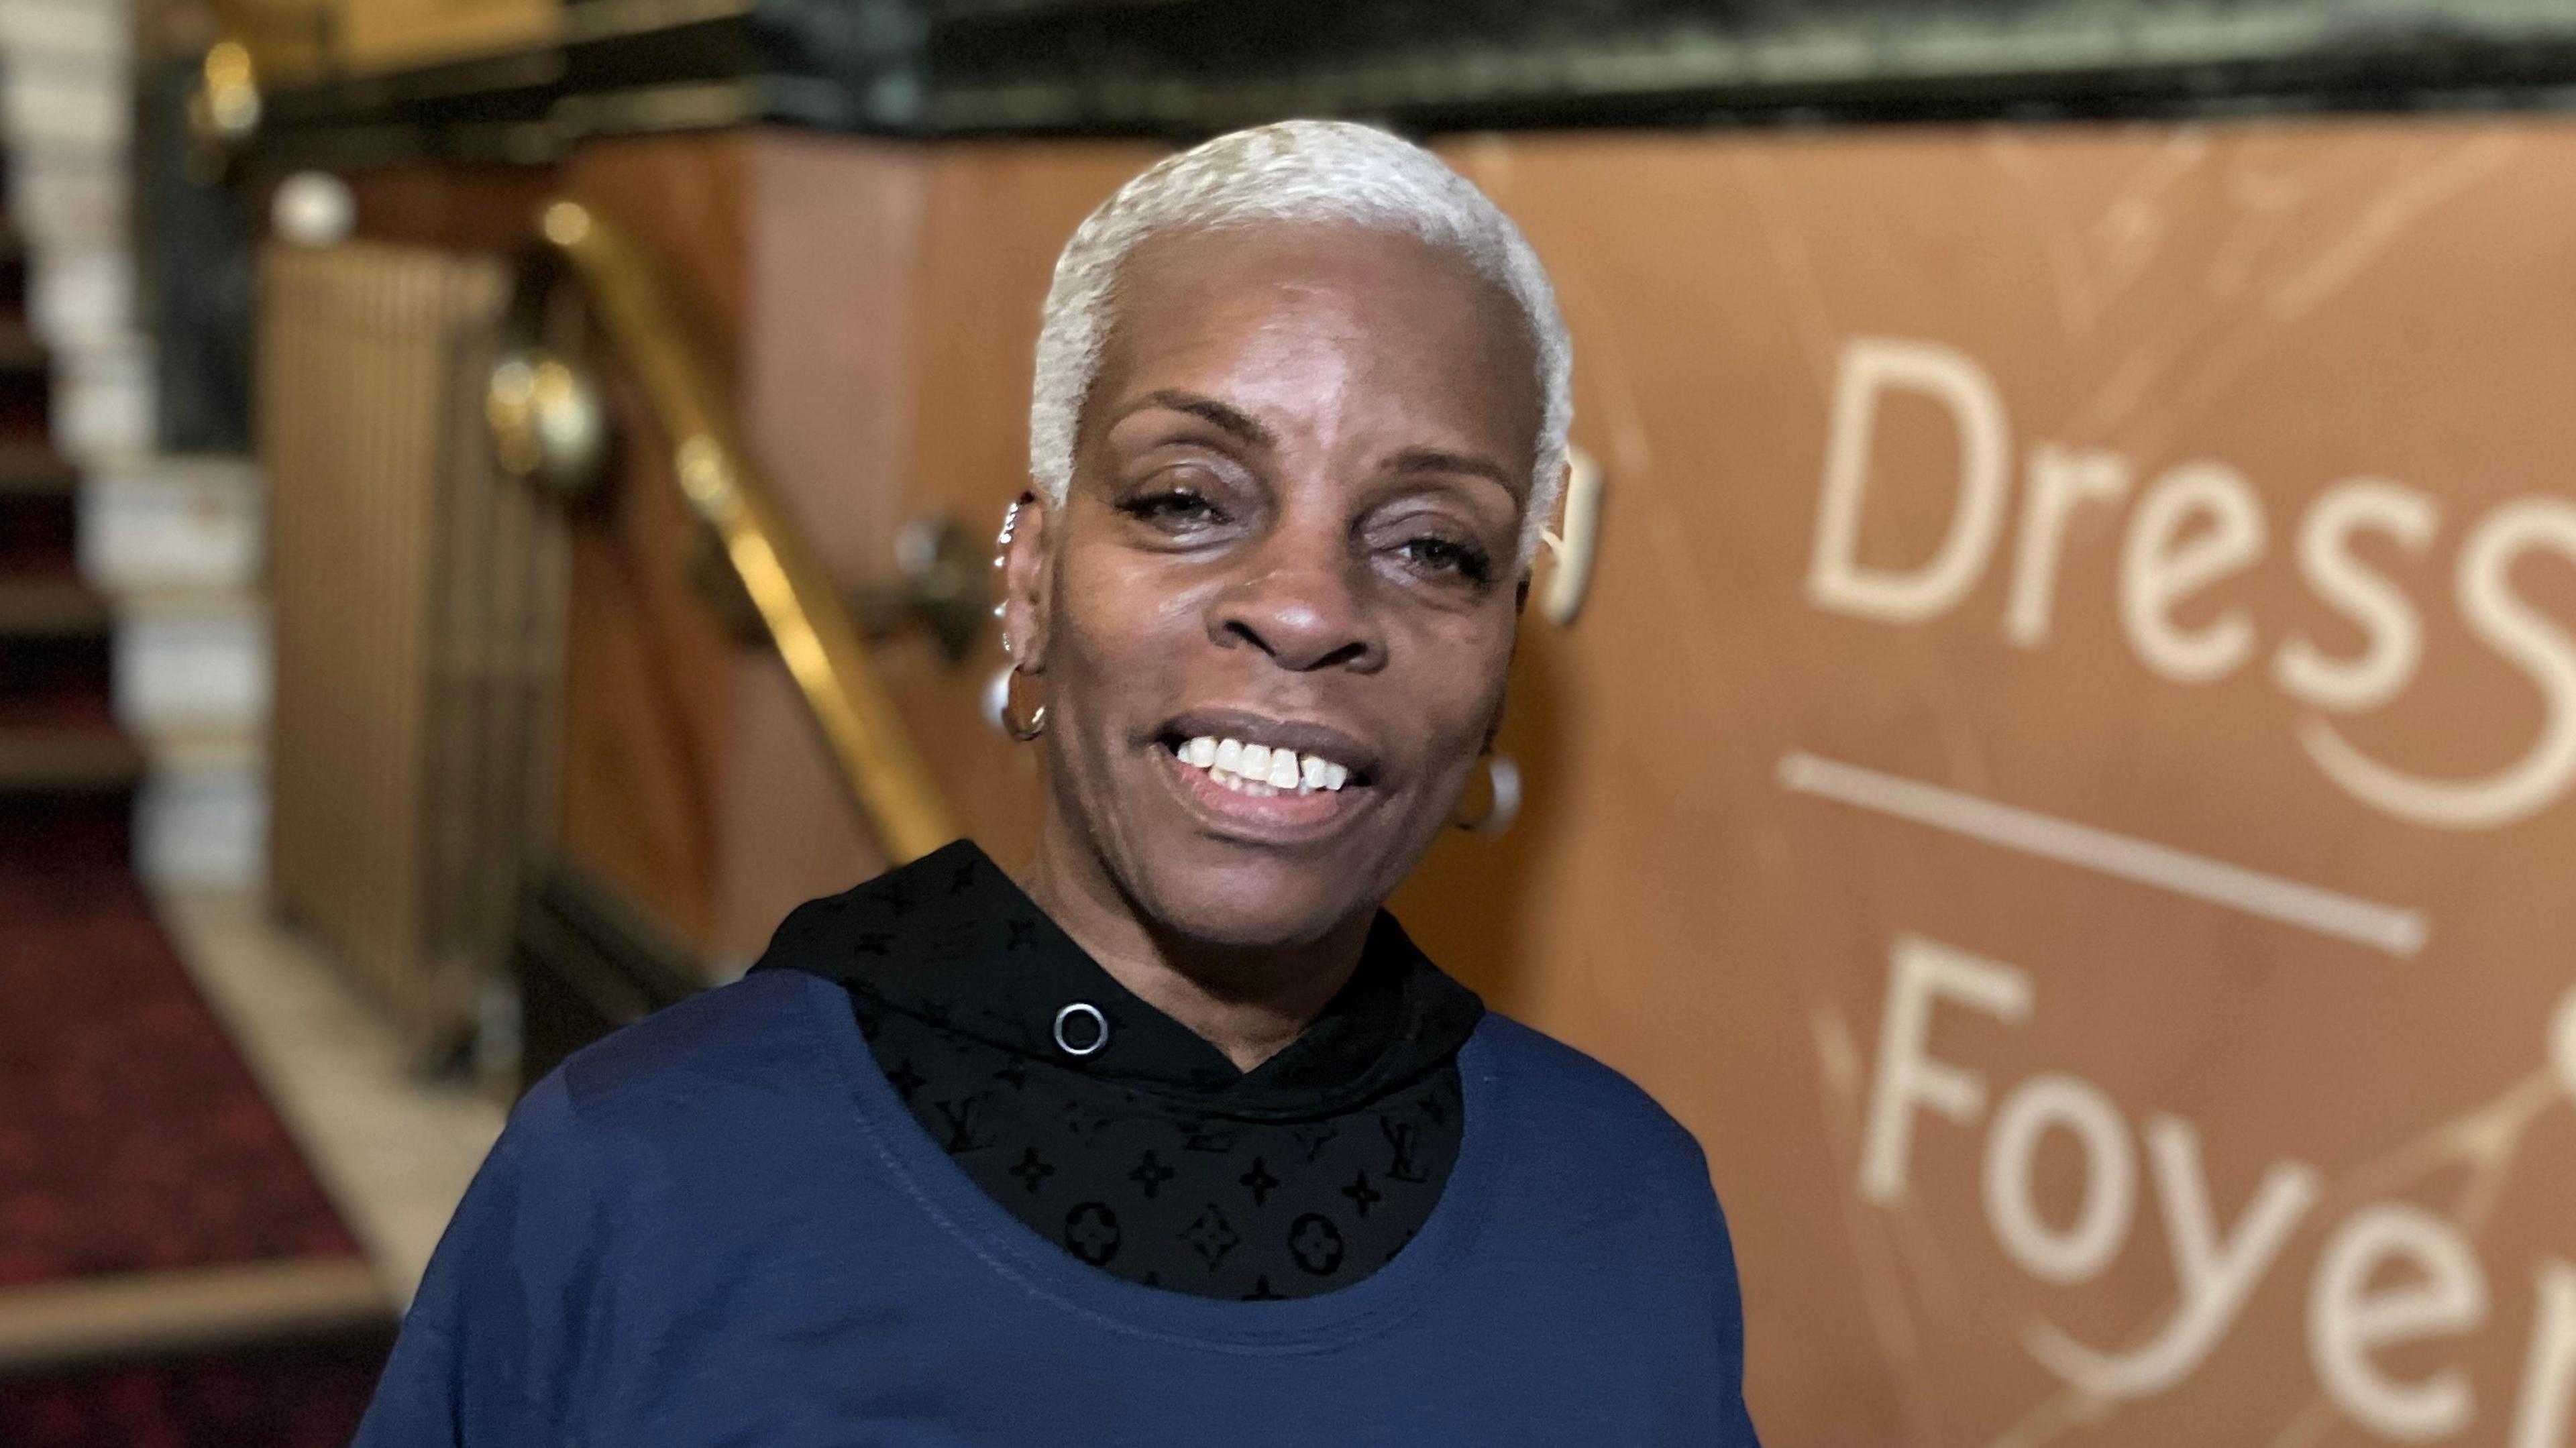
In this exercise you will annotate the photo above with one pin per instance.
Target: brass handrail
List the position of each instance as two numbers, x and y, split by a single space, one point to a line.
806 616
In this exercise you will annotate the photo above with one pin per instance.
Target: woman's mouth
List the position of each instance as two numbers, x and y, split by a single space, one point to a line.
1266 790
1260 770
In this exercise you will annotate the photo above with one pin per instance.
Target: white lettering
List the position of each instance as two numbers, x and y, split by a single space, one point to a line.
2159 568
2212 1276
2549 1370
2562 1043
2348 1318
2079 1253
2386 615
2523 635
1917 971
2059 479
1835 578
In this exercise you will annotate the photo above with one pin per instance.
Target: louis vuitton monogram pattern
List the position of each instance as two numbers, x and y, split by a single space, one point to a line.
1152 1158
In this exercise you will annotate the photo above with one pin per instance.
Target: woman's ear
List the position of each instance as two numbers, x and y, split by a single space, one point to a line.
1028 568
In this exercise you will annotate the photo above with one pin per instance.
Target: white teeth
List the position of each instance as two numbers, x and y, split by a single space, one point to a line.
1258 769
1241 785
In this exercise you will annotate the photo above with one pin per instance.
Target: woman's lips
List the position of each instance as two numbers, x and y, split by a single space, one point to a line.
1259 769
1239 806
1302 739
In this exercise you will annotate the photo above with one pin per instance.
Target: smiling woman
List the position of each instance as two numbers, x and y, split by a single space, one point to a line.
1172 1128
1292 523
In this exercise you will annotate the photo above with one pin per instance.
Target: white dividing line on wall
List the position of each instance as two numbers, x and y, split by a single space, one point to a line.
2311 907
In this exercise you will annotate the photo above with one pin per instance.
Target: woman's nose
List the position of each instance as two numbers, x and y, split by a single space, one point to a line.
1301 606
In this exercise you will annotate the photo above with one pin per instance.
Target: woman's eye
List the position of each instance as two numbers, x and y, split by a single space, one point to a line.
1445 555
1172 507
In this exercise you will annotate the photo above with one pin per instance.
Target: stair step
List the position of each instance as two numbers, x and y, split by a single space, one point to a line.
39 534
35 470
21 350
60 829
39 500
51 608
57 683
85 760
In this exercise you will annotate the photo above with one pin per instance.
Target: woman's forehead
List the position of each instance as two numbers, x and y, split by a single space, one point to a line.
1288 312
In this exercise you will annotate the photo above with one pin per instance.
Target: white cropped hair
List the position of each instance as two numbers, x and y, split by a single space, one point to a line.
1291 171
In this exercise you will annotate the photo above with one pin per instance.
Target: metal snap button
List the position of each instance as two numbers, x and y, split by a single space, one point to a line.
1081 1010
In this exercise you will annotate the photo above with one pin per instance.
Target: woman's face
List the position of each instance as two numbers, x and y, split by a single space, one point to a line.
1297 491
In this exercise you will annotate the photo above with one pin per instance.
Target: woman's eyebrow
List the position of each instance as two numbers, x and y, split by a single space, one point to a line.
1434 460
1218 415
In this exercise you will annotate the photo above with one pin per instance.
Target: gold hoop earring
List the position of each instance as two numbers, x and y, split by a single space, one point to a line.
997 707
1503 798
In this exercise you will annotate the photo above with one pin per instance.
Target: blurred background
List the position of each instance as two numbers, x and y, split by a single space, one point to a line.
2046 725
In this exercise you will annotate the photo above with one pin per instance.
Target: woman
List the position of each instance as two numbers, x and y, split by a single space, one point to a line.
1177 1139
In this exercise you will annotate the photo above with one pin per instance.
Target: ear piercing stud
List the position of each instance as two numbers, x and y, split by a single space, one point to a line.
1002 556
1010 525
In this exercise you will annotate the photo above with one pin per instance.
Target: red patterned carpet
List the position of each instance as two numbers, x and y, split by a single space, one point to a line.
289 1395
135 1139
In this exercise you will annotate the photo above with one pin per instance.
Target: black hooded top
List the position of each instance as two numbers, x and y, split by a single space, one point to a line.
1114 1130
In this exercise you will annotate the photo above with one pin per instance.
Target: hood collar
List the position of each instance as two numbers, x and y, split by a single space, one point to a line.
950 939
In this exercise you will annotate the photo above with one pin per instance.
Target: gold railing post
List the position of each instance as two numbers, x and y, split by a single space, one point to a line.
804 612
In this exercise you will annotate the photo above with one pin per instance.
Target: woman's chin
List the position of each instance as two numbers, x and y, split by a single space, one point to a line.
1250 908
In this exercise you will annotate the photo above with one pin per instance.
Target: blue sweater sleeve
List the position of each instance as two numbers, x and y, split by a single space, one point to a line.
1728 1301
1705 1230
487 1350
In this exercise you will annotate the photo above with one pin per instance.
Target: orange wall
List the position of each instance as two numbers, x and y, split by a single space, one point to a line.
1769 771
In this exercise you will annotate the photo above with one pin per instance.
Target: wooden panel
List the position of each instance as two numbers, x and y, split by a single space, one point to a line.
879 302
833 248
652 674
2083 806
379 35
465 208
289 40
997 215
303 40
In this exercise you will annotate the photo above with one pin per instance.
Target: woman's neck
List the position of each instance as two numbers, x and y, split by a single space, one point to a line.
1248 1002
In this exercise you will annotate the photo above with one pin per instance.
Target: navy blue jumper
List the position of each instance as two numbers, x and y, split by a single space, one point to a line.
722 1226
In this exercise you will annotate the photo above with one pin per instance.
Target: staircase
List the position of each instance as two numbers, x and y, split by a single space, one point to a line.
170 1270
67 774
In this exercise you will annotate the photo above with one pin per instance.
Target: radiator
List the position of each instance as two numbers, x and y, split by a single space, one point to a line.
419 602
